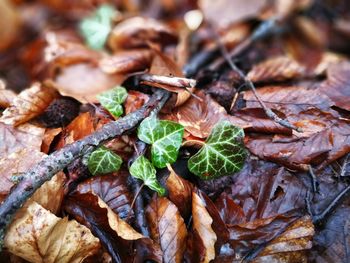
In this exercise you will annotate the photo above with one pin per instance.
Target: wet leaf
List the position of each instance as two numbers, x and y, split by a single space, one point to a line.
167 228
202 224
121 241
24 136
223 152
103 160
143 169
165 137
39 236
112 100
112 189
28 104
97 27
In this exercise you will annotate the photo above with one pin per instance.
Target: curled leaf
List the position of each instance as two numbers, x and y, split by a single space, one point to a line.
103 161
143 169
223 152
112 100
165 137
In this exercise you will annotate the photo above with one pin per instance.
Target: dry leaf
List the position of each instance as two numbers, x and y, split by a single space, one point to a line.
180 192
28 104
9 24
167 228
292 245
40 236
49 136
6 96
139 32
202 223
126 61
24 136
134 101
279 68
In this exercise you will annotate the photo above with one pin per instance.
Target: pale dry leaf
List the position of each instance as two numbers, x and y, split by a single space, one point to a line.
123 229
29 104
16 138
39 236
291 246
167 228
6 96
202 222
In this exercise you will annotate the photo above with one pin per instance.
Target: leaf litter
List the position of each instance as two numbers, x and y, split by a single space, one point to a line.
270 194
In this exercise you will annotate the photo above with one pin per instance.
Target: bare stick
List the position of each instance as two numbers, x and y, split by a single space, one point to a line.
58 160
184 83
249 83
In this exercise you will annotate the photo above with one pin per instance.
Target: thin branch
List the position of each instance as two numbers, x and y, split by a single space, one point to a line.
58 160
314 181
184 83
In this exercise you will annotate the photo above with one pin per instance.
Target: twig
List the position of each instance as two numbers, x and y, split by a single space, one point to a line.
140 149
314 181
184 83
58 160
249 83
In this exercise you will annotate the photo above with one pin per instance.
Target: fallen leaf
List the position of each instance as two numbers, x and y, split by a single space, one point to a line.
136 32
6 96
336 87
180 192
167 228
24 136
10 24
39 236
28 104
49 137
113 190
275 69
126 61
134 101
202 224
88 209
291 245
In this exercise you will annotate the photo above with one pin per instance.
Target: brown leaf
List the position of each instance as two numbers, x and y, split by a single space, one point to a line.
139 32
6 96
202 224
134 101
121 241
39 236
167 228
49 137
226 12
10 24
292 245
180 192
28 104
112 189
337 85
24 136
126 61
275 69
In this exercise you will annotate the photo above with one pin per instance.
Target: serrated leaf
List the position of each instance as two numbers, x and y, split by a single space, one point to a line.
165 137
223 152
143 169
112 100
103 161
97 27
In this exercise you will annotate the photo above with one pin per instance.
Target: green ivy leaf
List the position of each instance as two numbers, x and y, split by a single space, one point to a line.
103 160
143 169
112 100
223 152
95 29
165 137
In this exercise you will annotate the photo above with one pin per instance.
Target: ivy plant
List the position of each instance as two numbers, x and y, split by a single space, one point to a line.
165 138
103 160
223 152
96 28
143 169
112 100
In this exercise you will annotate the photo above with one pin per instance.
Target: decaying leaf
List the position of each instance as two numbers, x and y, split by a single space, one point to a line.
39 236
202 224
28 104
223 152
134 101
167 228
6 96
24 136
